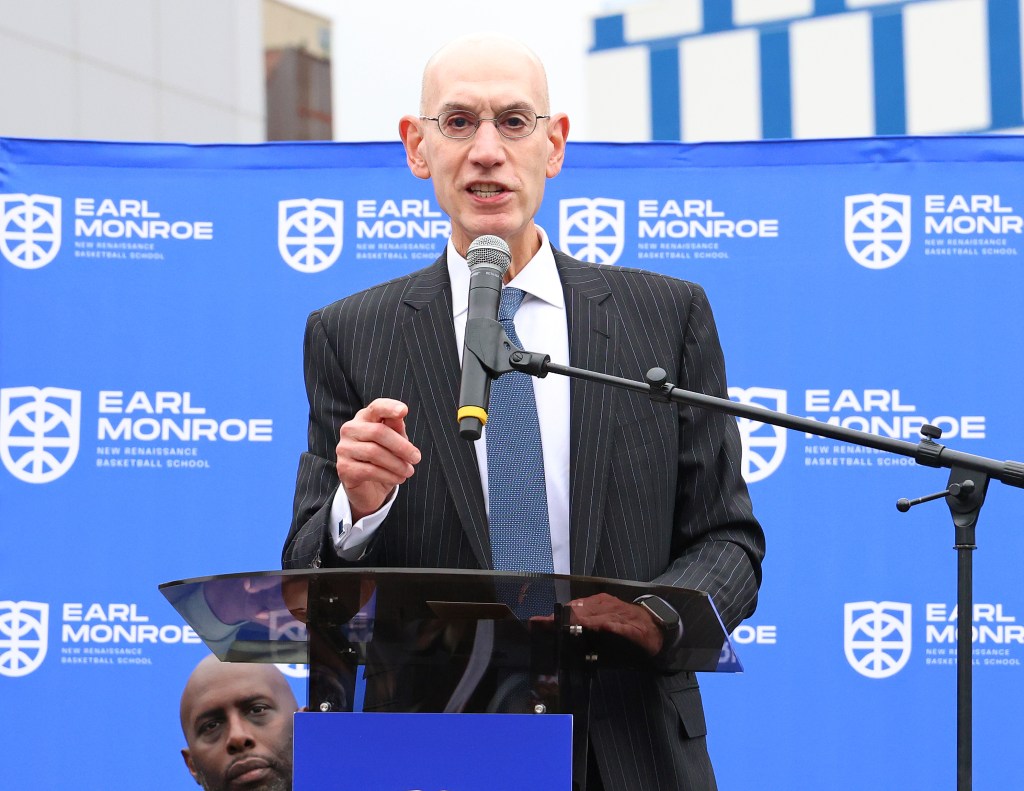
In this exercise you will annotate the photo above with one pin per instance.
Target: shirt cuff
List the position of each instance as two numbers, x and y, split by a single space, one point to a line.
351 540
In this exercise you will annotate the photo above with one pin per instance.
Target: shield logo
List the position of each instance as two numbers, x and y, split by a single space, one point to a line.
592 229
39 431
764 445
310 233
877 229
29 229
23 632
877 637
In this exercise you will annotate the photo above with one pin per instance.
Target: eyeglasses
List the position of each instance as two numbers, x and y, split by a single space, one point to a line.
462 124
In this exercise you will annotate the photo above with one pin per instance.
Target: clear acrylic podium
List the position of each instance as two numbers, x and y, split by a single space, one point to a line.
440 640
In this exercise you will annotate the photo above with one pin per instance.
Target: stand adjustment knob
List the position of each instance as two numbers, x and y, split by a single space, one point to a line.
961 491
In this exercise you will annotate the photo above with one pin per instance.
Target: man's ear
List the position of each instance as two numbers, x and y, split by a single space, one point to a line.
191 766
558 133
411 132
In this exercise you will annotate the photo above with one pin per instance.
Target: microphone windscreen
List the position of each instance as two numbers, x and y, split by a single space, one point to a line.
489 251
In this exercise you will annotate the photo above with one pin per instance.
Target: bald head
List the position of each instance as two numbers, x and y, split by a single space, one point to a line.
237 721
482 48
211 673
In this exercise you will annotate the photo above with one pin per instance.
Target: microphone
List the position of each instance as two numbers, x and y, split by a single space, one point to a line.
489 259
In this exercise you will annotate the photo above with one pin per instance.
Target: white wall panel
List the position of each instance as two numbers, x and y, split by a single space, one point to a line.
44 21
946 64
250 95
752 12
37 91
114 106
120 35
832 77
620 103
721 87
667 18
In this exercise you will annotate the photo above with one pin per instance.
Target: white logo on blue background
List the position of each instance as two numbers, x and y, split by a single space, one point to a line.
23 631
39 431
592 229
877 229
764 445
310 233
877 637
29 229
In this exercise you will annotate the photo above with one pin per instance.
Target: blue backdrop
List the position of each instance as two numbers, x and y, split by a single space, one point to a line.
152 302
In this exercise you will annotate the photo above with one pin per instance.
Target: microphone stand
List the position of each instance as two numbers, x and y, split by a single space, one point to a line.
965 490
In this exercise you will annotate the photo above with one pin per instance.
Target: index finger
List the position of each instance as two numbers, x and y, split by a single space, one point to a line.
383 410
388 411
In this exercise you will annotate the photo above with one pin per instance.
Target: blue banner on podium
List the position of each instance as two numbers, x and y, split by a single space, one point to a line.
433 752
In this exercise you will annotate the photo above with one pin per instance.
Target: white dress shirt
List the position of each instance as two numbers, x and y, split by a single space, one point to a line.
542 326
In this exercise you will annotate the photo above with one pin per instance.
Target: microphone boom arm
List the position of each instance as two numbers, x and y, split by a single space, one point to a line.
491 345
927 452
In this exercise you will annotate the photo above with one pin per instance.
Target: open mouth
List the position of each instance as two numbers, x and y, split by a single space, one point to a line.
487 190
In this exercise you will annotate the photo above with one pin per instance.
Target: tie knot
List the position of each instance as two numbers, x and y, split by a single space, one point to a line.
511 299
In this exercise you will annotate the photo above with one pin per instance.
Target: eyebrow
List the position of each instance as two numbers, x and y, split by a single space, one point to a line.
216 711
516 105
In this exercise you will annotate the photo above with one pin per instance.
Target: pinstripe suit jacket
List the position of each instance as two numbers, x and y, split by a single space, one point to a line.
655 491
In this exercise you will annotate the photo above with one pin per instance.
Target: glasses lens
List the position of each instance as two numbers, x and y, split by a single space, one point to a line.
516 123
458 123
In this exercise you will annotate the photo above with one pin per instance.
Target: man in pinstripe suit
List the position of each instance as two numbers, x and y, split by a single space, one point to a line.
636 490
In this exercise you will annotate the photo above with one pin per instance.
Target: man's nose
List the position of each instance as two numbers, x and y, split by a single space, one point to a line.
487 148
240 736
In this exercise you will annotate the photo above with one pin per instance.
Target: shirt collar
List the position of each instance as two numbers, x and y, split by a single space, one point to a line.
538 278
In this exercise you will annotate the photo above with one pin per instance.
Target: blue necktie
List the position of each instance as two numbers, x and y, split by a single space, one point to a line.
518 501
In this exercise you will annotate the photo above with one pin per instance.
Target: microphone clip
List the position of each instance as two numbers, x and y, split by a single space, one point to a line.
490 344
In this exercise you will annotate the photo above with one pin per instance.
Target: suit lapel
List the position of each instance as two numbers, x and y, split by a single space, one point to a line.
433 357
593 338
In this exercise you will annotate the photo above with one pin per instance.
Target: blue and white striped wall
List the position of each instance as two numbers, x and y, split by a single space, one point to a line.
698 70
